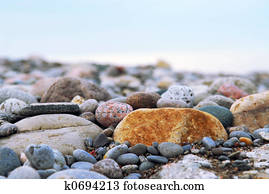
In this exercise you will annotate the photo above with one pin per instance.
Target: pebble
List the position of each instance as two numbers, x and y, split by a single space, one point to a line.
50 108
133 176
129 168
221 150
100 153
241 165
89 105
264 135
155 144
219 142
230 142
78 100
163 102
7 129
111 113
138 149
127 143
239 134
115 152
146 165
108 132
232 91
142 158
40 156
8 160
208 142
82 165
157 159
245 140
81 155
12 106
143 99
69 159
235 155
220 100
24 172
152 150
187 147
109 168
7 93
76 174
100 140
170 150
59 163
89 116
46 173
257 142
128 158
223 157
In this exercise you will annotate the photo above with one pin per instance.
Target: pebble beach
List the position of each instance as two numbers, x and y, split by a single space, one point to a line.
101 121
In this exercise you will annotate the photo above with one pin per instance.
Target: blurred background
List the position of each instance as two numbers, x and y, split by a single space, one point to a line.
193 35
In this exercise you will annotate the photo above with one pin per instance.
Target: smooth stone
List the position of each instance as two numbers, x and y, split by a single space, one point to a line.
142 158
143 99
245 140
157 159
241 165
230 142
59 131
232 91
162 102
7 93
170 150
7 129
100 140
146 165
12 106
221 150
76 174
152 150
81 155
24 172
264 135
89 105
133 176
108 132
257 132
109 168
128 158
50 108
239 134
127 143
129 168
220 100
223 157
59 162
187 147
235 155
115 152
9 160
88 116
40 156
46 173
208 143
82 165
138 149
162 125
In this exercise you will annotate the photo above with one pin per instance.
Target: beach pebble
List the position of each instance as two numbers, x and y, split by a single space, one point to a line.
241 165
219 100
129 168
128 158
143 100
138 149
60 162
40 156
115 152
163 102
264 135
187 147
133 176
146 165
24 172
7 93
81 155
9 160
46 173
170 150
76 174
231 142
223 157
246 140
109 168
12 106
100 140
89 105
7 129
152 150
88 116
232 91
257 132
239 134
111 113
221 150
208 142
82 165
157 159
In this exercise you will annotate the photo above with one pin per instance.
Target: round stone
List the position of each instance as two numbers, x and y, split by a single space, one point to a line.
82 165
109 168
7 129
163 102
12 106
178 92
115 152
133 176
157 159
146 165
230 142
7 93
239 134
40 156
81 155
129 168
129 158
170 150
8 160
111 113
152 150
143 100
46 173
88 106
77 174
100 140
208 142
59 160
24 172
138 149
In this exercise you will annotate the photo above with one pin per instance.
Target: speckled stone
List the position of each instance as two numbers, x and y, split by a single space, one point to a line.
157 159
129 168
24 172
115 152
138 149
8 160
128 158
40 156
81 155
76 174
111 113
170 150
108 167
12 106
82 165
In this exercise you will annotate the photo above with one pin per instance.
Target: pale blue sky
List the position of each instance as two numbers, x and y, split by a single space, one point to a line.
97 29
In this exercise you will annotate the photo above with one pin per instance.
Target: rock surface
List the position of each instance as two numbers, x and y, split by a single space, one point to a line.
168 125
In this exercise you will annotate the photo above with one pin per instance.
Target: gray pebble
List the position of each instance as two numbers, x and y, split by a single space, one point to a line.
257 135
8 160
24 172
230 142
130 168
81 155
239 134
40 156
100 140
115 152
82 165
157 159
138 149
223 157
152 150
146 165
221 150
46 173
127 143
187 147
155 144
128 158
133 176
109 168
89 105
170 150
69 159
208 142
59 160
7 129
76 174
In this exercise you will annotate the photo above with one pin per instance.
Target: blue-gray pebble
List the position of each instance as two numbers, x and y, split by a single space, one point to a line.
146 165
8 160
128 158
152 150
157 159
230 142
138 149
239 134
170 150
208 142
81 155
82 165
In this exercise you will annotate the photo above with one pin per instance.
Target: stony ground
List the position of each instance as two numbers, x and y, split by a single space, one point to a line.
105 121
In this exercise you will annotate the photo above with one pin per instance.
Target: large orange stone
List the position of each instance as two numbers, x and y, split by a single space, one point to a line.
178 125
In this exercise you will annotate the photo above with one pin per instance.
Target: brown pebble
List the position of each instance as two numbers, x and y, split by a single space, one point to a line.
246 140
108 132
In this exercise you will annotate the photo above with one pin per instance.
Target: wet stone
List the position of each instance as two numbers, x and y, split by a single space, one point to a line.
157 159
138 149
